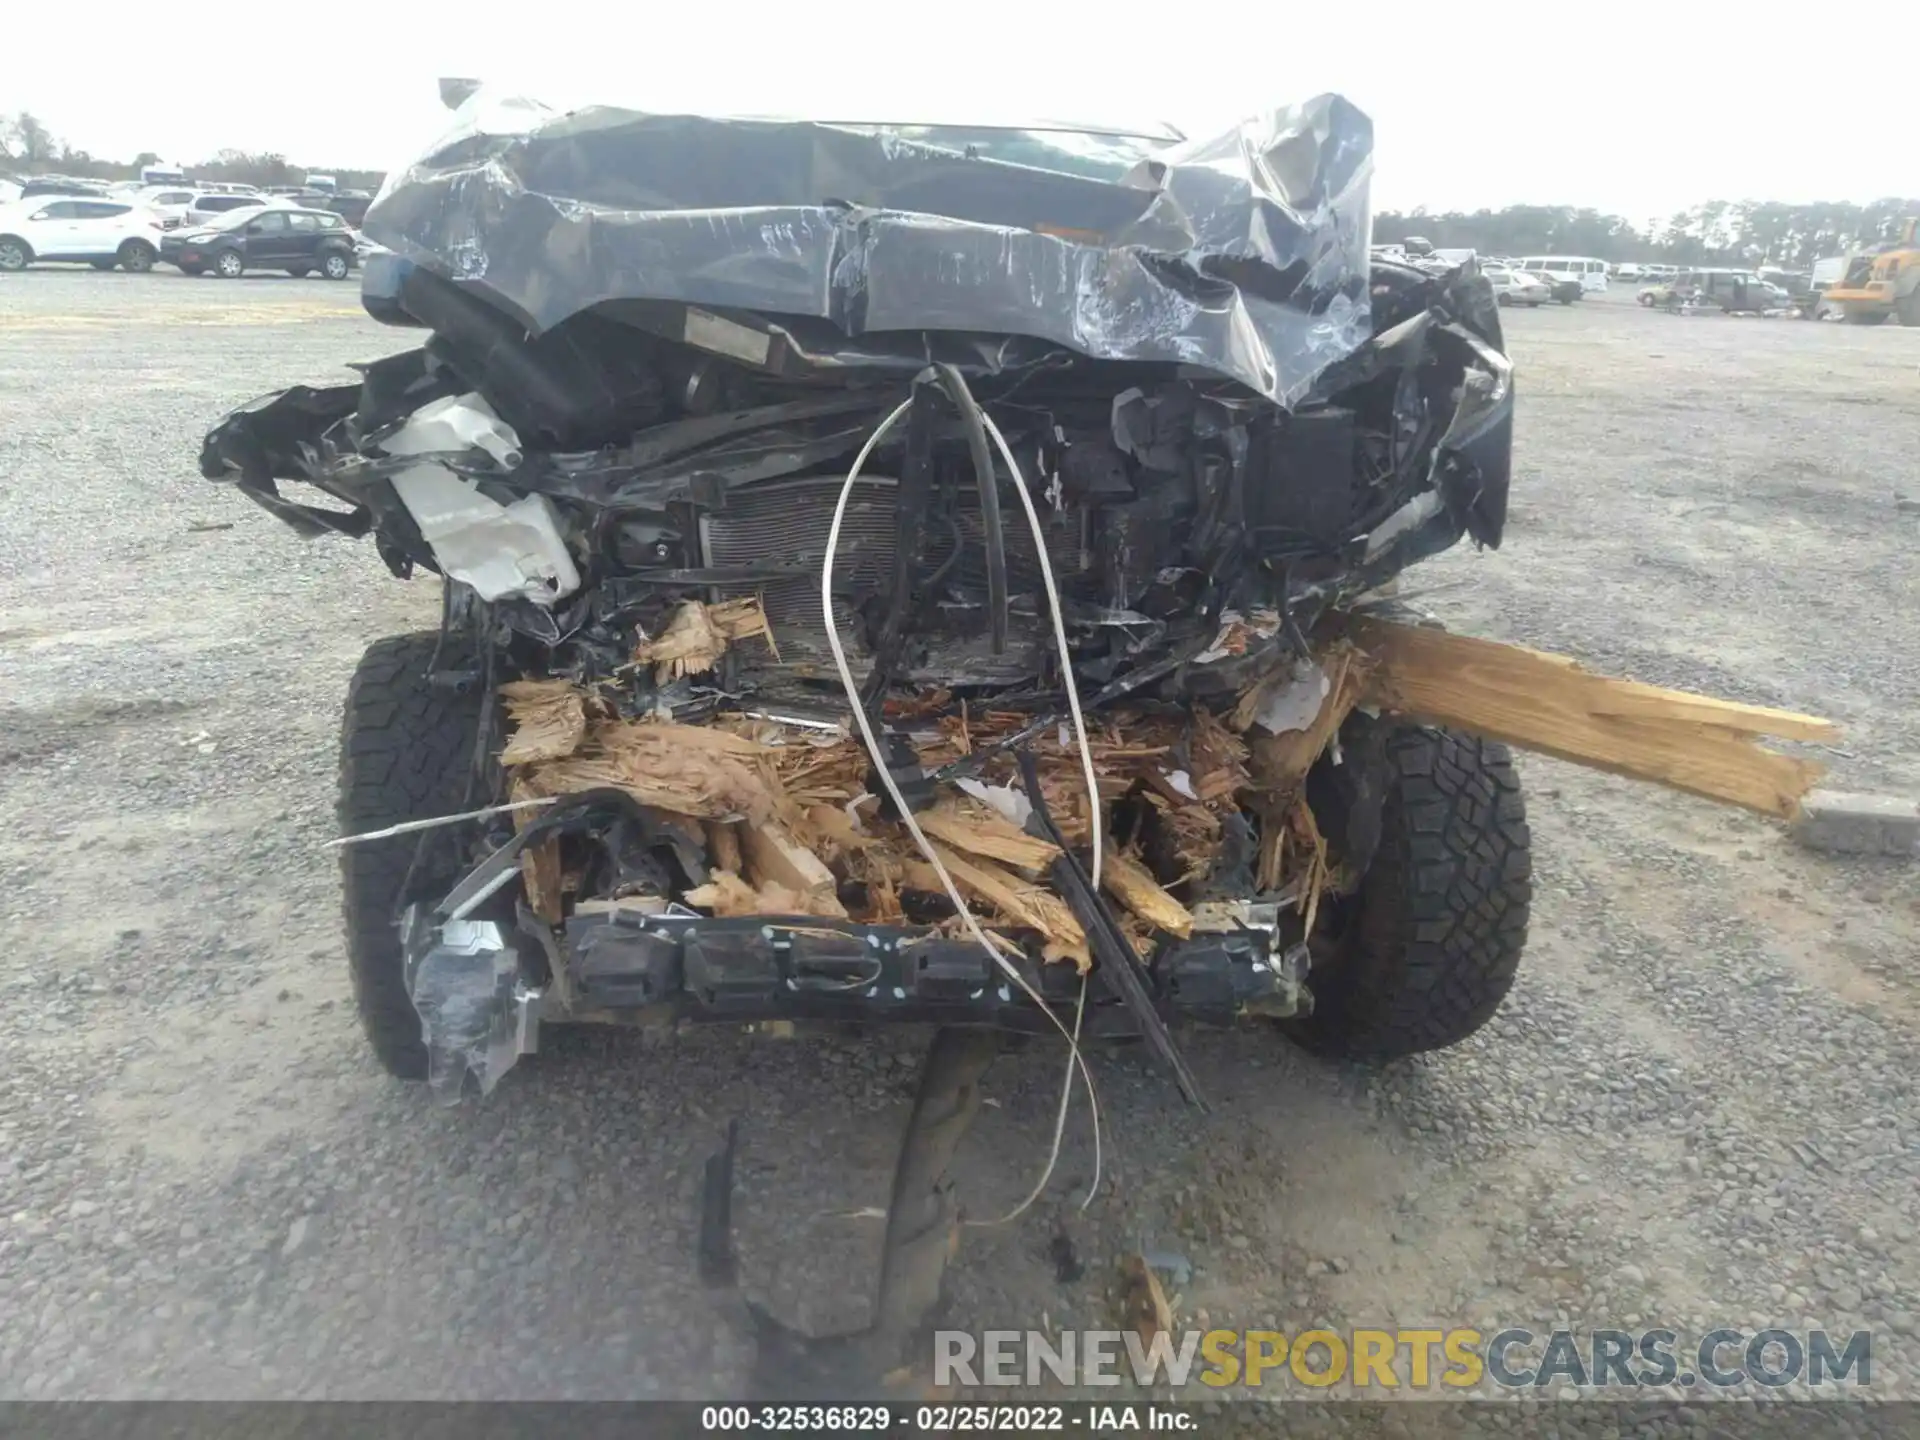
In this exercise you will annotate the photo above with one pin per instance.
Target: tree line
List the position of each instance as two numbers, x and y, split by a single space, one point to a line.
1739 232
28 145
1745 232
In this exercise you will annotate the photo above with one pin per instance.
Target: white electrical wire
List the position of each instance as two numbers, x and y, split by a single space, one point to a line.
965 912
1059 638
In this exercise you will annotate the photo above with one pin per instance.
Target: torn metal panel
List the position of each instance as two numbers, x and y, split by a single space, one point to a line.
824 244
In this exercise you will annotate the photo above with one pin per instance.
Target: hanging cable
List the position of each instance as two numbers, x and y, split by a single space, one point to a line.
973 417
1059 639
860 719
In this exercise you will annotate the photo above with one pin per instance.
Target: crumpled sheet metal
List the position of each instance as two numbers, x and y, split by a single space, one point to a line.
1244 254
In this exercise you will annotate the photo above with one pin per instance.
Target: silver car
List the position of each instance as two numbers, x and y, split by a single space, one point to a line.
1516 287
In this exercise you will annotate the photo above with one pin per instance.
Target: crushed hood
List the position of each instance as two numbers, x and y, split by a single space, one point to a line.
1243 254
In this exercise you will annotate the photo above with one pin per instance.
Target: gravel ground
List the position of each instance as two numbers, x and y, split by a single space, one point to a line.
1699 1107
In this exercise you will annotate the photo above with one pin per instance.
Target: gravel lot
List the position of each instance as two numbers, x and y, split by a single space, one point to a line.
1699 1107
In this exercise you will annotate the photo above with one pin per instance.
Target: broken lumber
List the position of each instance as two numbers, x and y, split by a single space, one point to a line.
694 770
723 846
775 858
1547 703
1130 882
698 635
1016 900
549 720
987 834
540 870
726 894
1279 763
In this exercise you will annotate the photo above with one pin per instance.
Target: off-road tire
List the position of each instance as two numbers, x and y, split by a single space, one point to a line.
1434 936
299 272
406 747
1866 317
1908 307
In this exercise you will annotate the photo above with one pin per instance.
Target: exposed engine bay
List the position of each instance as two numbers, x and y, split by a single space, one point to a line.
890 573
792 481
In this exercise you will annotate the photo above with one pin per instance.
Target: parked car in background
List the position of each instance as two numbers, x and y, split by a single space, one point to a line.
1564 278
1654 294
99 232
1516 287
206 208
169 204
350 205
1727 290
1584 270
1628 270
39 185
274 237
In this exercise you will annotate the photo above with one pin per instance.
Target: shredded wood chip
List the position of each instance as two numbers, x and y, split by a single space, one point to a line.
549 720
698 635
689 769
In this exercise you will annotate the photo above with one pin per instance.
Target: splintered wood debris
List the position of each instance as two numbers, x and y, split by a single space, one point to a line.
549 720
782 813
699 634
1544 702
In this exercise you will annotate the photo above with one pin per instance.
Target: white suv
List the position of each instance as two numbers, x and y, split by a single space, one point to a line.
103 233
169 202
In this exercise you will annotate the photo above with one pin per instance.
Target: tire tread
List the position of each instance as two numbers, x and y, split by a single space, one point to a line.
405 748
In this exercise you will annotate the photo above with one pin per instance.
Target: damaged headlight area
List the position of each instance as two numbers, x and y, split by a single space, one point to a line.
1224 423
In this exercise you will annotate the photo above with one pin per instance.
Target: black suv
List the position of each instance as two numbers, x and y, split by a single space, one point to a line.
276 238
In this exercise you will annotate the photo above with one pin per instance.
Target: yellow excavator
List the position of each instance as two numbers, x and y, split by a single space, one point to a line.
1881 280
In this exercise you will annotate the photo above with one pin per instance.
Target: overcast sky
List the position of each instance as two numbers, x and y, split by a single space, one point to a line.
1635 109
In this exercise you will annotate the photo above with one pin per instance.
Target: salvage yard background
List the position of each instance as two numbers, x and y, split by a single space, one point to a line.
1698 1108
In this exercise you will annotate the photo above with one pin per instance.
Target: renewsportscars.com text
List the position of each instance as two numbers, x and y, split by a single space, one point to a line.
1412 1359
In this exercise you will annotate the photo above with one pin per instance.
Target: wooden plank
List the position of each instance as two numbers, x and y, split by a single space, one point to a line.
723 841
1017 900
1130 882
1539 702
985 833
1633 700
775 857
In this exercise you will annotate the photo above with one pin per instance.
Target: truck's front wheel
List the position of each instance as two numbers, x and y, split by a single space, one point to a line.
1424 953
406 748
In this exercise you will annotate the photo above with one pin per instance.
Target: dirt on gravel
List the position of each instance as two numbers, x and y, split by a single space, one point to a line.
1698 1108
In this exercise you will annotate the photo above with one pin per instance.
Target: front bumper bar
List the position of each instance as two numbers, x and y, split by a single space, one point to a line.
481 992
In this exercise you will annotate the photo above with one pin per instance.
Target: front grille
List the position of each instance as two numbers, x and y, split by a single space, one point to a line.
785 522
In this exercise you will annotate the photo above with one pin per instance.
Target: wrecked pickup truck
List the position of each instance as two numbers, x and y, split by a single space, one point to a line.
900 574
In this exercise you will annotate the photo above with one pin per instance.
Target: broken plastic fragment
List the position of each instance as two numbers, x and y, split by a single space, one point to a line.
454 423
1012 804
462 978
1295 704
1414 513
500 550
